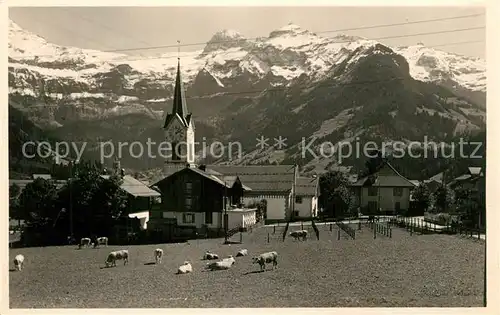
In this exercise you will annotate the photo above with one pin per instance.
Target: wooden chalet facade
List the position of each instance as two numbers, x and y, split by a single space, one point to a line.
194 201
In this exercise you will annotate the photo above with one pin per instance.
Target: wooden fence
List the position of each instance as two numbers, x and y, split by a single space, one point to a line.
380 228
346 228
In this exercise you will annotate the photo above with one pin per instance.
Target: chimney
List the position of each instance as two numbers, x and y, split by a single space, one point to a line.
116 167
203 167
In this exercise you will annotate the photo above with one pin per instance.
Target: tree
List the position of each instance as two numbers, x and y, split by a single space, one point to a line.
96 202
443 199
37 202
14 192
335 196
468 205
422 196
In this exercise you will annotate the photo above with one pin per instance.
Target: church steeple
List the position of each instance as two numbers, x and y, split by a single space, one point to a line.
179 107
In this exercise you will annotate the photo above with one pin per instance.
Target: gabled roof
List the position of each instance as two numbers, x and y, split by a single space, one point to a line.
226 181
475 171
135 187
306 186
179 107
44 176
261 178
387 176
23 182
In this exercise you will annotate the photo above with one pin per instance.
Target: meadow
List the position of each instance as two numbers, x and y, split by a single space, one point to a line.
402 271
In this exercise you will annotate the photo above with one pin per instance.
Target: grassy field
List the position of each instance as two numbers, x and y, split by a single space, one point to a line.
402 271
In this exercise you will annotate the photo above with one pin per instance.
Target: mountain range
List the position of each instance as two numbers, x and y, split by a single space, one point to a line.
292 83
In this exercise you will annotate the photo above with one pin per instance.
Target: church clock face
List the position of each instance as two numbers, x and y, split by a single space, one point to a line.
177 132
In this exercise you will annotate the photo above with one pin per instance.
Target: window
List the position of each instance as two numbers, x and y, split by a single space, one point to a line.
208 217
189 188
188 202
188 218
298 199
372 191
296 214
398 192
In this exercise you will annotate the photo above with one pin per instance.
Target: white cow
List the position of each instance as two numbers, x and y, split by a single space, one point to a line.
101 241
242 252
117 255
18 262
158 254
266 258
185 268
209 255
299 234
85 241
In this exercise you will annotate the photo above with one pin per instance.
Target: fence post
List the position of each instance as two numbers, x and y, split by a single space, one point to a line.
268 237
390 233
338 234
359 225
274 229
301 225
331 227
241 237
374 233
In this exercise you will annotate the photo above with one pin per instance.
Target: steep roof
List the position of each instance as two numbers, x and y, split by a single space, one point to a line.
261 178
306 186
226 181
179 106
23 182
135 187
387 176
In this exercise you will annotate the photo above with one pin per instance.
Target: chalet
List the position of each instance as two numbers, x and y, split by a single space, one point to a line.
306 197
386 191
195 199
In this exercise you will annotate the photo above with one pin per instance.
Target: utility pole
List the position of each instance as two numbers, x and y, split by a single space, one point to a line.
71 200
226 219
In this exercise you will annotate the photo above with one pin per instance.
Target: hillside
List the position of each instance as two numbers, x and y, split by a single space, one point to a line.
293 84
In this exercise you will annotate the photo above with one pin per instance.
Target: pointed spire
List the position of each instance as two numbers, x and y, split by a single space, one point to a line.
179 104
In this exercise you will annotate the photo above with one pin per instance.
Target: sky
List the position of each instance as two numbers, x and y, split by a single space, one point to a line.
115 28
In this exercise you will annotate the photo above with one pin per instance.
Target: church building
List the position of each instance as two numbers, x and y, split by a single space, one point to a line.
196 196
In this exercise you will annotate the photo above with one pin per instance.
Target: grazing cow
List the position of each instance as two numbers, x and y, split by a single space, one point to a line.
18 262
185 268
302 234
210 256
266 258
85 242
101 241
117 255
158 253
242 252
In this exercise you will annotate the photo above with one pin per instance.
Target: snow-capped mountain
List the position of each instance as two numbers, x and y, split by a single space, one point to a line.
334 87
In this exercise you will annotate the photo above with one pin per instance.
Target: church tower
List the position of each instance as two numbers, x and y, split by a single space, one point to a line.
179 130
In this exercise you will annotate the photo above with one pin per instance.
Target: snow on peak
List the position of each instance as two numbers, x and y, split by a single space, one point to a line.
290 27
223 40
288 30
226 36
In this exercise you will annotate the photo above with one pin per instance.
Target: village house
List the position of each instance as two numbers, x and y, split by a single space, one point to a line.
140 198
195 200
306 197
386 191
